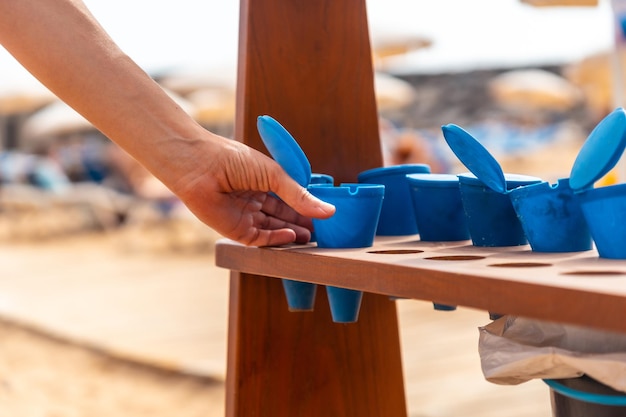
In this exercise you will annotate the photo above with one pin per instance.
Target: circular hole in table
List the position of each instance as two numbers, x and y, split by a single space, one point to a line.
596 273
396 251
521 265
455 258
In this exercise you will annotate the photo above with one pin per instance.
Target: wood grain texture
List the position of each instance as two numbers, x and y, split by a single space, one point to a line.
308 64
303 364
577 288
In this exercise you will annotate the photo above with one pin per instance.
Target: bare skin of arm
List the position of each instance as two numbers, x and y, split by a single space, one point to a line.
223 182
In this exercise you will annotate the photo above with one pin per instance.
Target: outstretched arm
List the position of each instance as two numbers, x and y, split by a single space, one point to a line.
223 182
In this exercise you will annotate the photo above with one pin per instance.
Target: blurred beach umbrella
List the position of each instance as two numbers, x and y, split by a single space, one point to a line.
387 48
54 120
58 119
534 89
392 93
211 92
23 97
213 106
388 45
187 81
594 76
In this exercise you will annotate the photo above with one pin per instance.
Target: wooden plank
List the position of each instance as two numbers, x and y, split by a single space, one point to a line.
308 64
576 288
285 364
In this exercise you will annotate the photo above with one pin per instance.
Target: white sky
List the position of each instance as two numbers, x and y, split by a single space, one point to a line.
162 34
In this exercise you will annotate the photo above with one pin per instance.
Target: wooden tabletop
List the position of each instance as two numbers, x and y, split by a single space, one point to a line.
577 288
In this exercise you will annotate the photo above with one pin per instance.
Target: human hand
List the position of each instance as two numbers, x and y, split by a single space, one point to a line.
229 190
225 183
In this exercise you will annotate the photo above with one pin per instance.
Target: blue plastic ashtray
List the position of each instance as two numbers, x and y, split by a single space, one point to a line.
437 207
397 217
344 304
357 210
548 217
604 207
353 225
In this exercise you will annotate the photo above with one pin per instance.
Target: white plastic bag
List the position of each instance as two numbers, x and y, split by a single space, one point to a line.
515 350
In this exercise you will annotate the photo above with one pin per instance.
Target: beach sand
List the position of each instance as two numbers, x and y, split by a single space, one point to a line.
45 376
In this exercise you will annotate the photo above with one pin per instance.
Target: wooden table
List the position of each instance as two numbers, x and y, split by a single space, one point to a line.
576 288
309 65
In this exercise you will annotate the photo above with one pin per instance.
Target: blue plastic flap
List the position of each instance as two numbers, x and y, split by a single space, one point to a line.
475 157
284 149
601 151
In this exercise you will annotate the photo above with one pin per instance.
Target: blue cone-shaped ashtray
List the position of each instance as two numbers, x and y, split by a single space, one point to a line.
396 217
603 207
353 225
300 295
443 307
320 179
491 218
438 207
344 304
551 217
357 210
317 178
604 210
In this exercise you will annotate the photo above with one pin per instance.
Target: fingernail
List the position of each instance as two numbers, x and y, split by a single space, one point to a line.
323 205
327 207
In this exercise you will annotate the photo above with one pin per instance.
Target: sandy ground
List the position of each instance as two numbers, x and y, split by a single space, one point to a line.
42 375
86 383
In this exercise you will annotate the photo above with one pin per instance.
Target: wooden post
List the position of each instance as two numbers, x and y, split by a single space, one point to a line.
308 64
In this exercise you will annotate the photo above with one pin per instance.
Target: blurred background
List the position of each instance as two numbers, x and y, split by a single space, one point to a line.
103 267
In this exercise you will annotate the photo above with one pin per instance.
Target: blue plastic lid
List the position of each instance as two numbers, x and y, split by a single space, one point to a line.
433 180
511 181
284 149
601 151
539 188
475 157
317 178
347 190
392 170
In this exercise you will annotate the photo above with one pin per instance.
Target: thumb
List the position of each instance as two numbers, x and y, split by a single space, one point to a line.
299 198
